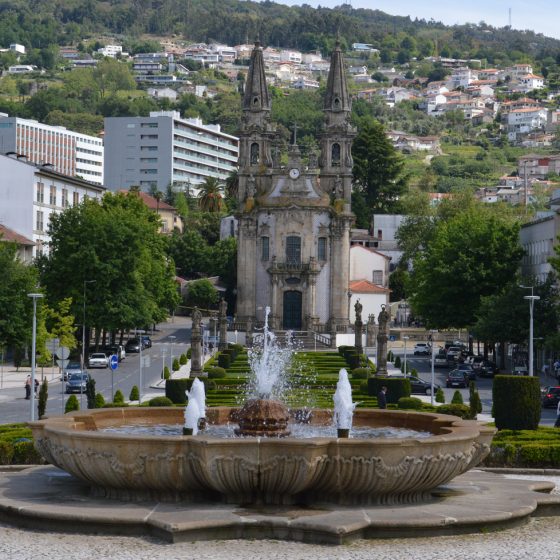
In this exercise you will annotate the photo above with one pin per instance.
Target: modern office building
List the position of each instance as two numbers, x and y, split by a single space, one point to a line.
165 149
69 152
31 193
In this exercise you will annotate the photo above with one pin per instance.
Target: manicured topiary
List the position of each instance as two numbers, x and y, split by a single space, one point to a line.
440 396
134 394
166 373
189 353
43 396
118 399
175 390
26 454
176 364
517 402
160 401
99 400
224 360
6 452
360 373
183 359
216 372
390 356
397 387
475 404
410 403
461 410
90 392
72 404
414 372
397 362
457 398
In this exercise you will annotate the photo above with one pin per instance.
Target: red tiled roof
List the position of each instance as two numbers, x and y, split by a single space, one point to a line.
7 234
366 287
150 201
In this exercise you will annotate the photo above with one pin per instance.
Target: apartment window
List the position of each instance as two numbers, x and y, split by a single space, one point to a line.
40 192
293 249
148 136
65 198
52 196
265 248
40 222
322 249
378 277
149 125
75 198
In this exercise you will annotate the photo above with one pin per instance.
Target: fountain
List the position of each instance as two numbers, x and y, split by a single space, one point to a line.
261 462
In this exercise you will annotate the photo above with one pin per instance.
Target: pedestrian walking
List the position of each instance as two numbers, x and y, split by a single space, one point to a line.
382 397
36 386
28 387
557 423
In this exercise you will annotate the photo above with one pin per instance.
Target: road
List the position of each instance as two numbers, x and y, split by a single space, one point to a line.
422 364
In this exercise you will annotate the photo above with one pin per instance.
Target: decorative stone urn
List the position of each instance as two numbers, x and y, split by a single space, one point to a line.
263 417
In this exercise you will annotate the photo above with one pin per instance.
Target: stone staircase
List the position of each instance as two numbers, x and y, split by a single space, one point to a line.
306 340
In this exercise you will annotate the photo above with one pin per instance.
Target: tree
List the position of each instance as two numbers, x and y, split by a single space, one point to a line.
210 196
470 256
378 168
112 75
202 294
60 323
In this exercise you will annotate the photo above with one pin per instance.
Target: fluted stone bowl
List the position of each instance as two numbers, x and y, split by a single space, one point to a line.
259 470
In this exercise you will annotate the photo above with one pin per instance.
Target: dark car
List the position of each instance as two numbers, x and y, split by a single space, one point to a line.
71 367
457 378
419 386
468 369
132 345
487 369
551 396
146 341
77 382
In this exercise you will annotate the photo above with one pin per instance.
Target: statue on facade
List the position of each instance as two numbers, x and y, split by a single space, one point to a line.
251 187
196 318
338 189
358 309
382 337
196 343
222 321
371 331
358 327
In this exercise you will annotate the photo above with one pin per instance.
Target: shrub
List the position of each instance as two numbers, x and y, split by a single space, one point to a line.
72 404
352 359
189 353
389 356
364 387
115 405
175 390
160 401
410 402
457 398
166 373
224 360
461 410
183 359
440 396
175 365
6 452
475 404
517 402
99 400
43 396
216 372
397 387
397 362
360 373
134 394
90 392
414 372
118 399
26 454
237 347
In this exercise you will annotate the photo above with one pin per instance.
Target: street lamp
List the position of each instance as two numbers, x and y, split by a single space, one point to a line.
35 297
433 377
532 298
172 338
405 338
84 327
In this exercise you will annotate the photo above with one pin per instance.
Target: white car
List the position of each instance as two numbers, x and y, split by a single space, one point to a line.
98 360
422 348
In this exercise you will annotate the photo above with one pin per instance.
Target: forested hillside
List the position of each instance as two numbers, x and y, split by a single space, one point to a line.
40 23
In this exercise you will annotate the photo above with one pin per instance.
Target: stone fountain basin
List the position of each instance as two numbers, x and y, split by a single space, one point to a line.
257 469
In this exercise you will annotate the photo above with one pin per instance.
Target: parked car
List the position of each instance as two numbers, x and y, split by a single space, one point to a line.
487 369
550 396
116 350
132 345
520 370
468 369
146 341
476 362
98 360
419 386
77 382
454 352
457 378
440 360
422 349
71 367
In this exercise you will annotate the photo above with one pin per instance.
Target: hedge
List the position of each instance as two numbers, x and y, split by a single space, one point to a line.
216 373
160 401
397 387
175 388
224 360
360 373
516 402
410 402
461 410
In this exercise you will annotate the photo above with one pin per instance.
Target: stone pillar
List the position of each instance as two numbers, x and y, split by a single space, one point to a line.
382 338
358 328
196 343
249 332
340 269
222 318
371 331
246 275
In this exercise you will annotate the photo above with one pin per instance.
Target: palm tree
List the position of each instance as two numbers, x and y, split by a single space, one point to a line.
210 197
232 184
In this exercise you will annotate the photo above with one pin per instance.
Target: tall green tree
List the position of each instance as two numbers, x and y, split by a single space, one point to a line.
210 197
378 168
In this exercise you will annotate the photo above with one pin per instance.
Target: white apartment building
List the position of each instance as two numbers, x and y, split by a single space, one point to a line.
70 153
31 194
522 121
111 51
165 149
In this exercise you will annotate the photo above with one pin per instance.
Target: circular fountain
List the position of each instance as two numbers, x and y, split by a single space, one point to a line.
263 464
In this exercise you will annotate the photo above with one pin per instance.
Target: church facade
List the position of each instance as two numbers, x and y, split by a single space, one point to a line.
294 219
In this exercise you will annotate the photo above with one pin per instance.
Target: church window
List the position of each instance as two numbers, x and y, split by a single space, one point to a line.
336 103
322 249
378 277
255 101
254 153
265 248
335 155
293 249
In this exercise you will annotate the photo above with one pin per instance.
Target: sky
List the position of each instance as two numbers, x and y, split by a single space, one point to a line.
541 16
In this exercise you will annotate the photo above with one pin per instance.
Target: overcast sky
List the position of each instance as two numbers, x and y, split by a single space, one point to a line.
542 16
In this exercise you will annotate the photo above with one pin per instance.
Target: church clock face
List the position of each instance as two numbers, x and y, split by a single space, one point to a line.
294 173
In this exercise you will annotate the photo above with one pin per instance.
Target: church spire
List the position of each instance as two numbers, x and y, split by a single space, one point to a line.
336 96
256 96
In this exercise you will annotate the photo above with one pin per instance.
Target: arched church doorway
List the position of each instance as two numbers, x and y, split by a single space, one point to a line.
292 310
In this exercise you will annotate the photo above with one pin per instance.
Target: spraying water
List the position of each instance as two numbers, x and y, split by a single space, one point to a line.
192 414
343 405
199 395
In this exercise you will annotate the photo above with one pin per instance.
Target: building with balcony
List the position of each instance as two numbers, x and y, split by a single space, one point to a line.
165 149
70 153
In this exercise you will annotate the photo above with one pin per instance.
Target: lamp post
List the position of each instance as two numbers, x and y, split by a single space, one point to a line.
84 326
433 377
172 338
405 338
35 297
532 298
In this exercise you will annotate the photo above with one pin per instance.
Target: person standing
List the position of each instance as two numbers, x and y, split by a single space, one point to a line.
382 397
28 387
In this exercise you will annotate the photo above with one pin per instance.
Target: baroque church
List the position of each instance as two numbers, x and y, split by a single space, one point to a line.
294 220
